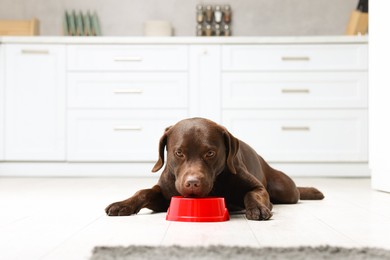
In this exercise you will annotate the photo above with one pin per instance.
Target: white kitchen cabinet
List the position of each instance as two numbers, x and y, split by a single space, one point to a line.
298 103
100 104
118 135
35 102
205 81
121 98
287 90
128 90
304 57
303 135
128 57
2 100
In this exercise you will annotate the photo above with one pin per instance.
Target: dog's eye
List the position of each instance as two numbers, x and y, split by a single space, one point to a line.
210 154
179 153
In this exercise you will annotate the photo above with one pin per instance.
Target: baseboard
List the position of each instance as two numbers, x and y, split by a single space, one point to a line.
61 169
324 169
143 169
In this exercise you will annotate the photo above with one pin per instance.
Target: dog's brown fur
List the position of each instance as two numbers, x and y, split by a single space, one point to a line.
204 159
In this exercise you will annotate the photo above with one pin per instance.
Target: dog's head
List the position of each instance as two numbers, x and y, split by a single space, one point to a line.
198 150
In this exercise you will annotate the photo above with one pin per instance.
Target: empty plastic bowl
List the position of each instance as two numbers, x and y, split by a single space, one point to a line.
209 209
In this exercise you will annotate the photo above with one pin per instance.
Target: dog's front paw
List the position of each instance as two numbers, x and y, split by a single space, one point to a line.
121 209
258 213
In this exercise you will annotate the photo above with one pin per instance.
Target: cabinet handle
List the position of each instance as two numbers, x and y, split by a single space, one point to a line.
295 58
128 91
127 128
296 90
295 128
130 59
38 52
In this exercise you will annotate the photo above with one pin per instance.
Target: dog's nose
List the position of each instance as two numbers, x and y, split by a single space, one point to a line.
192 183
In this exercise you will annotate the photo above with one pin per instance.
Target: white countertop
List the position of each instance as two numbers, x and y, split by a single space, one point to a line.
183 40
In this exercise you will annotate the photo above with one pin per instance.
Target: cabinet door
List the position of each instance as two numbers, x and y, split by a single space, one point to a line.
35 102
347 89
299 57
1 103
147 90
118 135
302 135
205 81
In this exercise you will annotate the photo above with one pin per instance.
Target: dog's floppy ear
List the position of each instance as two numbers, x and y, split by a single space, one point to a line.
232 145
163 142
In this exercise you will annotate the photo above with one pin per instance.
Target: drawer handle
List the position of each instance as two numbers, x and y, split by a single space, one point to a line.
296 90
129 91
125 59
127 128
295 128
297 58
37 52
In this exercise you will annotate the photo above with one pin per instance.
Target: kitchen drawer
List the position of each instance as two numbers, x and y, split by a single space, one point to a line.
302 135
294 90
130 57
128 90
294 57
118 135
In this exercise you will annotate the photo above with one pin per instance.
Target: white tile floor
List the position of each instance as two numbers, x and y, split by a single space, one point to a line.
63 218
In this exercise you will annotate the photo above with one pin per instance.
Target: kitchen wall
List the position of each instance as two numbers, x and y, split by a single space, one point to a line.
250 17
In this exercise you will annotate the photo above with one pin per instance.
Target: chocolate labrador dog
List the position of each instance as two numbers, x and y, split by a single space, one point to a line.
204 159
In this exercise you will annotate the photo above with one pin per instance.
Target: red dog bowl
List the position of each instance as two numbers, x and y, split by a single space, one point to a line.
210 209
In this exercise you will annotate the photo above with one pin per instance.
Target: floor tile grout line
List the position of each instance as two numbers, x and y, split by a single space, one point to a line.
70 237
165 233
15 221
335 230
252 231
355 242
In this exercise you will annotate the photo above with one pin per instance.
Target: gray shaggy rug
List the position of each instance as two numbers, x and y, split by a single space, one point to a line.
226 252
